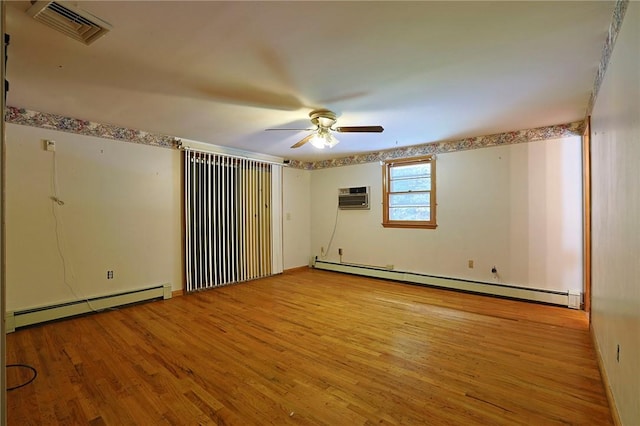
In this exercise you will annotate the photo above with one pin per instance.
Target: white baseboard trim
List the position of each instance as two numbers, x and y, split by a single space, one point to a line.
605 379
23 318
492 289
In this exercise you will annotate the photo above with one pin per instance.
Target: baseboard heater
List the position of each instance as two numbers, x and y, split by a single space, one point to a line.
17 319
492 289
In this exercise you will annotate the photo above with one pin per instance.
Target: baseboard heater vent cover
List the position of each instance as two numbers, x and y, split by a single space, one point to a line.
17 319
491 289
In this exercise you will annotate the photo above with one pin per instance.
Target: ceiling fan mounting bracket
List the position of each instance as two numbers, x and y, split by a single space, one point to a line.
323 118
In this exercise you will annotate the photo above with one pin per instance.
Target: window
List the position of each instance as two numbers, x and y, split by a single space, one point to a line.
409 193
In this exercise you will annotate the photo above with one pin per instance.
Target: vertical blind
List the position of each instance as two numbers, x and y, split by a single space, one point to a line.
228 218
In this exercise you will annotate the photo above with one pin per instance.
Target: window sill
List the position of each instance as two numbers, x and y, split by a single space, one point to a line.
416 225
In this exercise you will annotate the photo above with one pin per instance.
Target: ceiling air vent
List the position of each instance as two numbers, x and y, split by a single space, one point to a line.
70 20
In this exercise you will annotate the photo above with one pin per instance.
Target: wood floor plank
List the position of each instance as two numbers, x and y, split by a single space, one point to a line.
312 347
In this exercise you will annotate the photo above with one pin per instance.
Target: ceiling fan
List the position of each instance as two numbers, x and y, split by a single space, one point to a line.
322 136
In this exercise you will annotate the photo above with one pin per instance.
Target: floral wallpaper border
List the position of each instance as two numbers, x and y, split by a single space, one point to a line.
521 136
87 128
614 29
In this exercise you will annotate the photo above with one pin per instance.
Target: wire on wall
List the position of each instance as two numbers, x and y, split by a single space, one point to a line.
59 231
335 226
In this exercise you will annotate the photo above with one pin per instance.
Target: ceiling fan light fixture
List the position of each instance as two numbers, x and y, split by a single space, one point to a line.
324 121
323 139
317 141
331 140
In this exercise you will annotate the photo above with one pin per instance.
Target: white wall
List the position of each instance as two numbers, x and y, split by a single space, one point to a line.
296 208
517 207
3 363
122 212
616 219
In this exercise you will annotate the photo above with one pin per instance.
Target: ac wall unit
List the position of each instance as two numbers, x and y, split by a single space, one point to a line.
354 198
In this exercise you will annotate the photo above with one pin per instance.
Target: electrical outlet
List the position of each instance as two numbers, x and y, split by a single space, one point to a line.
109 275
470 264
494 270
49 145
340 252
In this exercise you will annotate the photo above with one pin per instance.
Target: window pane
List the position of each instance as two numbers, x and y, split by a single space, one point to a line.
417 199
406 185
411 170
410 213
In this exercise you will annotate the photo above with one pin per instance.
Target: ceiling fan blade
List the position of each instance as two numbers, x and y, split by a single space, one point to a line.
248 95
302 141
284 128
360 129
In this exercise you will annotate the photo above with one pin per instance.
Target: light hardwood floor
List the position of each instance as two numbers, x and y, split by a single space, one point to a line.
312 347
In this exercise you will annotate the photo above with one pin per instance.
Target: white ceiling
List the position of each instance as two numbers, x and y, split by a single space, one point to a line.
223 72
